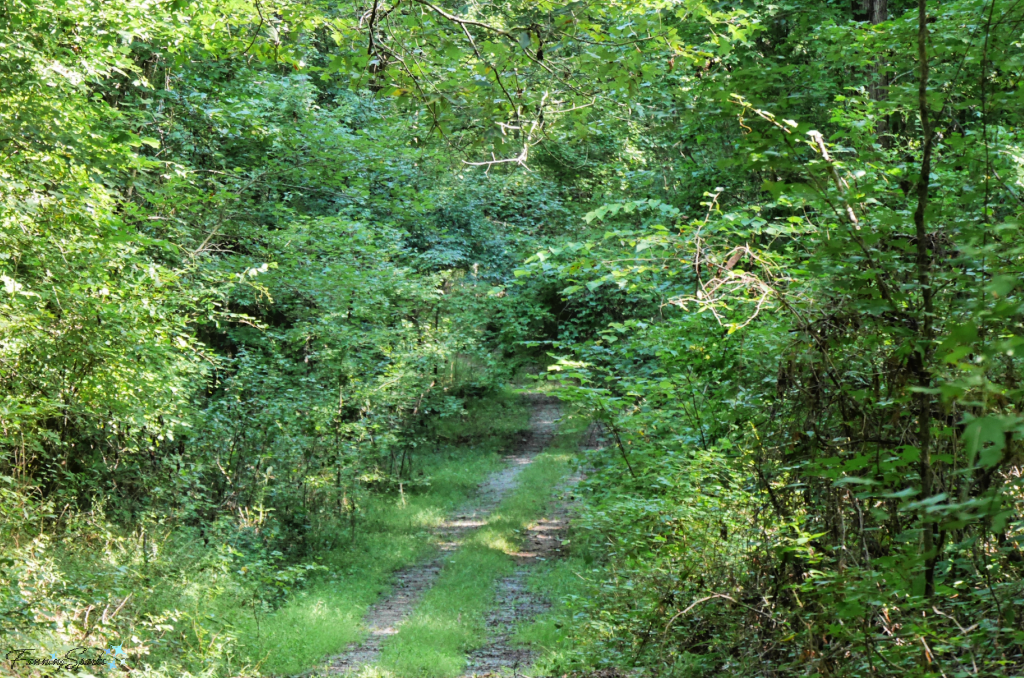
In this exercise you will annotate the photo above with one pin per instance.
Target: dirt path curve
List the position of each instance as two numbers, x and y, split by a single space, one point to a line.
383 619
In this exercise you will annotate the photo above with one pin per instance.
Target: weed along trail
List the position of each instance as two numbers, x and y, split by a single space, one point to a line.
412 586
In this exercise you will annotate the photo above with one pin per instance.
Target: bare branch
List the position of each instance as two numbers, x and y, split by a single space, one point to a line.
519 160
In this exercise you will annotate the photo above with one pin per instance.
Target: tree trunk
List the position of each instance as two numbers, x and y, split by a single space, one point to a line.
924 413
878 88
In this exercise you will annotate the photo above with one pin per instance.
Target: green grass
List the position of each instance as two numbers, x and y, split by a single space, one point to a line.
451 619
327 615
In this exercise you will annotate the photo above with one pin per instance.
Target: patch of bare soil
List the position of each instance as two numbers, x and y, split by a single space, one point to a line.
384 618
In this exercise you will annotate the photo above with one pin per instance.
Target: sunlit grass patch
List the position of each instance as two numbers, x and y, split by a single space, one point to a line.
328 615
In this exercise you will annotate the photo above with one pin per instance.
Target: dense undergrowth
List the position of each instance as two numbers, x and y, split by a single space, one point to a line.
809 378
244 316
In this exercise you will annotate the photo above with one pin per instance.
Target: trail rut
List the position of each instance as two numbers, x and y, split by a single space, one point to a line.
515 603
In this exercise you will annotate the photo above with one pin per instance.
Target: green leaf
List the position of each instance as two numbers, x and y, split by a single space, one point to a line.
854 480
984 439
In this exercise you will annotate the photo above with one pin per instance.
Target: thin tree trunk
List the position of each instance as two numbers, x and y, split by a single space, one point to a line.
924 418
878 88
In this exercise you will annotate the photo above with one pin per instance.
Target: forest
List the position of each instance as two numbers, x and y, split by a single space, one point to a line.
316 314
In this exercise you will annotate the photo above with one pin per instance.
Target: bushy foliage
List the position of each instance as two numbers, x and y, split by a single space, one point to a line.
812 404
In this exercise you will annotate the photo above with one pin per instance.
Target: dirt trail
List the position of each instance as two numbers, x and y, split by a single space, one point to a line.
384 618
516 604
